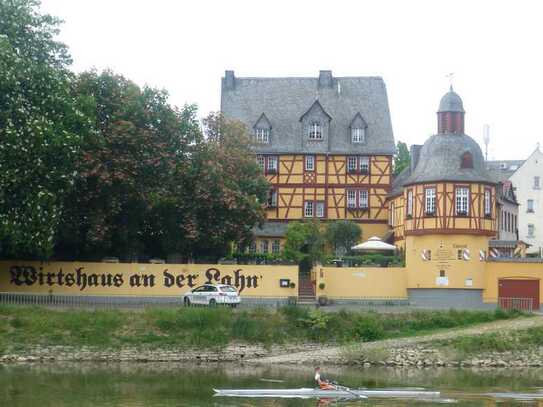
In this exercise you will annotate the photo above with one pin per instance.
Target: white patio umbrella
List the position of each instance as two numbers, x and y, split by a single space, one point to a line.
374 243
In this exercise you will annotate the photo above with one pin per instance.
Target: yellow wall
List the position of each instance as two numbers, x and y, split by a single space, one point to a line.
363 282
444 257
518 271
128 279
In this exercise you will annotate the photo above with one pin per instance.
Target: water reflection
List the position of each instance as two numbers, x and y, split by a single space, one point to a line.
170 384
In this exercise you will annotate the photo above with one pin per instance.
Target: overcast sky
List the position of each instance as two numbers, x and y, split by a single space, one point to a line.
493 48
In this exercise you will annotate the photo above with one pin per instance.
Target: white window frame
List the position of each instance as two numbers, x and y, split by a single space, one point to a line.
264 246
430 201
276 246
364 165
272 163
310 163
308 209
261 161
262 136
488 200
531 230
462 201
352 163
319 209
358 135
351 198
530 206
363 199
409 210
273 198
315 131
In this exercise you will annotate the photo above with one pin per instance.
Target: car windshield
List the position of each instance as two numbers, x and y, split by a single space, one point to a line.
228 289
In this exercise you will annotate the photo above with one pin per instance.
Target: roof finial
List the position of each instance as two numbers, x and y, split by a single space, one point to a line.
450 76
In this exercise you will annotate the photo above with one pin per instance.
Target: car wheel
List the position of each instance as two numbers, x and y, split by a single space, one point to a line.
187 302
212 303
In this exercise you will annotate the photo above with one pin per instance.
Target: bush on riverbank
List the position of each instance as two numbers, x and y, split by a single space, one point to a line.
21 327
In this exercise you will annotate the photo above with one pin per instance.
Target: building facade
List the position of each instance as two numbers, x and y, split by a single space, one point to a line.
325 144
527 181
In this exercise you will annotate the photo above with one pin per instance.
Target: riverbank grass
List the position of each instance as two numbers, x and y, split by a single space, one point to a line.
24 327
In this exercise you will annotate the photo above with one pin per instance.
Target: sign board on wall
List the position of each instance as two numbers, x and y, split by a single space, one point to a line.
141 279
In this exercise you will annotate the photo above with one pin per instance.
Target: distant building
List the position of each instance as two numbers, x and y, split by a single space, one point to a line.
525 177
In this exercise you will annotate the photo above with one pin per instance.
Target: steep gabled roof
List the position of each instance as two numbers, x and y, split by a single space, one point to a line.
262 122
285 100
316 106
358 120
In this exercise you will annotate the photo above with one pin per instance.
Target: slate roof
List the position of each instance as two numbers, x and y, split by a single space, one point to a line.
451 102
285 100
440 160
271 229
497 170
398 182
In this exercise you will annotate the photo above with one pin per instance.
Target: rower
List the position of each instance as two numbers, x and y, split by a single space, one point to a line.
321 382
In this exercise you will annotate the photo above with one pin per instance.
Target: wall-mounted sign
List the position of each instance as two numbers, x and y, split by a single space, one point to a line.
468 282
442 281
284 282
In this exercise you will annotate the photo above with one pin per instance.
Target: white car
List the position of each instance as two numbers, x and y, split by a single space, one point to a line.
212 294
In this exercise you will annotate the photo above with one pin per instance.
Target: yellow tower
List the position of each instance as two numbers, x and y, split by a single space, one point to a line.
444 209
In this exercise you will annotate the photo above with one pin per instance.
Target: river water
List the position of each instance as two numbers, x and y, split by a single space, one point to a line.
169 385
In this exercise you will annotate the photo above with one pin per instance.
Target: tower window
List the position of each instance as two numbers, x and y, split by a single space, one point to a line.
467 160
430 201
488 202
358 135
462 200
410 202
315 131
536 182
531 229
263 136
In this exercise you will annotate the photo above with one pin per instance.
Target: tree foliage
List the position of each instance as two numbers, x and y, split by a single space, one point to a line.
402 158
304 241
41 126
342 235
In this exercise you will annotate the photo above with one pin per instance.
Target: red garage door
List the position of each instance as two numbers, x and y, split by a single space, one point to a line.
518 294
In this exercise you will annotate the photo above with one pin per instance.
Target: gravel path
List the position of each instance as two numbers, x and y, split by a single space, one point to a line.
330 354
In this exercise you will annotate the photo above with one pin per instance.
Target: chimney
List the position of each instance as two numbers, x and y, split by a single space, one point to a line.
414 151
325 79
229 80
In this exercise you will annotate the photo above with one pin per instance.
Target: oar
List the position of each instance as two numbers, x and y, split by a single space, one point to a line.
345 388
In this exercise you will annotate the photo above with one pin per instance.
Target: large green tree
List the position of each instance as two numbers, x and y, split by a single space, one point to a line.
129 167
342 235
402 158
41 126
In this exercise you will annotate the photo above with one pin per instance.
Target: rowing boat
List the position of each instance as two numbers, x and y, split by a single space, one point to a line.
318 393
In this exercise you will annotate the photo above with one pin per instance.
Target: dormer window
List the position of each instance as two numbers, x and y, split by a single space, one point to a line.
467 160
315 131
262 136
262 129
358 135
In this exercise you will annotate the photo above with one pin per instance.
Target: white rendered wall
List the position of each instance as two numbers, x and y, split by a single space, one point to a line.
523 181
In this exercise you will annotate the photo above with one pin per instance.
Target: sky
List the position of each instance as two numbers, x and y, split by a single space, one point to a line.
493 48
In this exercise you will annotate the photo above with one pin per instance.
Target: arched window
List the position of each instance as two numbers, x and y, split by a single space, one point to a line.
467 160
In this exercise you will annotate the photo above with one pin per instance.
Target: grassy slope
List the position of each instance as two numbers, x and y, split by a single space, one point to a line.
21 327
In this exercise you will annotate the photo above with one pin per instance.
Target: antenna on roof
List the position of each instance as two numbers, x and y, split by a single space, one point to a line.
486 139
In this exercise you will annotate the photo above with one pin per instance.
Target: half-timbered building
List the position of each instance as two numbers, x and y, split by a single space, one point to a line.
324 143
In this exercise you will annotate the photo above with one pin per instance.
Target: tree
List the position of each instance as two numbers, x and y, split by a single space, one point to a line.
41 126
402 158
129 169
342 235
304 242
